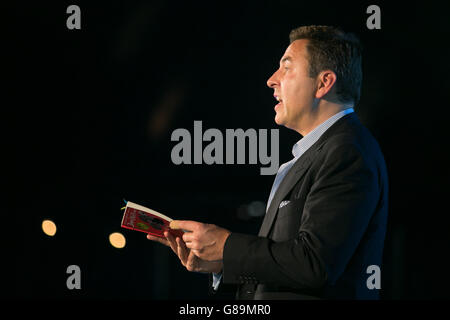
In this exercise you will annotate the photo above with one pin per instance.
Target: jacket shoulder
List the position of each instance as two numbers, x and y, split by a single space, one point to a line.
351 134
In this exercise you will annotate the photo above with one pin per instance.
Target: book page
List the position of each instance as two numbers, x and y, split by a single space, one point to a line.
142 208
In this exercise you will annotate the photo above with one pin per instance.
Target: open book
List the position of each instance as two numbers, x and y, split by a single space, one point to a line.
146 220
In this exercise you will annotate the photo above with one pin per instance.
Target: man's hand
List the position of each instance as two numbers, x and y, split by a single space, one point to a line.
187 257
205 240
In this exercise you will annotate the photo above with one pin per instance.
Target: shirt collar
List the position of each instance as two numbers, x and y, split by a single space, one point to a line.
307 141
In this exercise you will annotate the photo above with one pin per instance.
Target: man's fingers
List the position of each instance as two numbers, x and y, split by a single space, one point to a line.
181 255
158 239
196 252
182 251
188 237
191 261
185 225
171 242
193 245
183 245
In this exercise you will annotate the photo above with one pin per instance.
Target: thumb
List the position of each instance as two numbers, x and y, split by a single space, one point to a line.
185 225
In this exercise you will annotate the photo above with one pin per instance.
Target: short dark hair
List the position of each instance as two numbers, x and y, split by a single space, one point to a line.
330 48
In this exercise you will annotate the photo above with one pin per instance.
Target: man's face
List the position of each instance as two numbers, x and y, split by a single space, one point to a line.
293 87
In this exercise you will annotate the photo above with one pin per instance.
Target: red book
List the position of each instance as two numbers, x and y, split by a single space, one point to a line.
146 220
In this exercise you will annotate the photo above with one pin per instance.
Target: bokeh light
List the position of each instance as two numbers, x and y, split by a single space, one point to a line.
49 227
117 240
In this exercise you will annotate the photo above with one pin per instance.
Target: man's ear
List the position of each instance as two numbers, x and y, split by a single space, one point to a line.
325 82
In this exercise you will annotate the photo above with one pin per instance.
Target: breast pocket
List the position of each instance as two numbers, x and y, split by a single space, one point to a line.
287 222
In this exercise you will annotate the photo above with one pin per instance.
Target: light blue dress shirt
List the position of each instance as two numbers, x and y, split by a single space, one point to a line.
302 146
297 151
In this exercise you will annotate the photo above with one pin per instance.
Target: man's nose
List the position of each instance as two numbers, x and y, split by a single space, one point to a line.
273 81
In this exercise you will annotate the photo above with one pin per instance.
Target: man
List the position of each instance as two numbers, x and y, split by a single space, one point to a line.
327 212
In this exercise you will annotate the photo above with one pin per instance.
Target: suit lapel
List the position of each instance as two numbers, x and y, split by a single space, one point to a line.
290 179
298 170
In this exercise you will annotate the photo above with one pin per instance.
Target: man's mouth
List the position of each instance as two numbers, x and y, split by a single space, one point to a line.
278 99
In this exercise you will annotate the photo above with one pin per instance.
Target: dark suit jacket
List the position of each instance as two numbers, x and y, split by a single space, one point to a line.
318 245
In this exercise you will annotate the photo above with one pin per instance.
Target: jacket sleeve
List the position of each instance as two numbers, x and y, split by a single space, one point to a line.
335 216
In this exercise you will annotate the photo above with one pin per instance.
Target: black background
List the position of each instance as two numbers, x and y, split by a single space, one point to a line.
88 116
